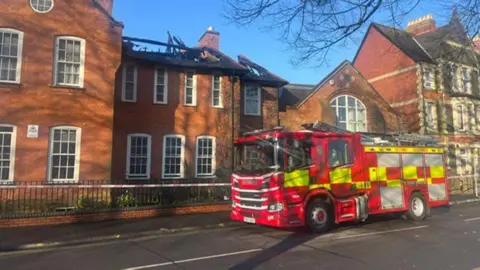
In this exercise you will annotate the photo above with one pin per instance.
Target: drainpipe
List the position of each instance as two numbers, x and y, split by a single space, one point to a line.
232 83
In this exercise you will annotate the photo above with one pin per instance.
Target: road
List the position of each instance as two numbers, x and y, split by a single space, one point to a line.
449 239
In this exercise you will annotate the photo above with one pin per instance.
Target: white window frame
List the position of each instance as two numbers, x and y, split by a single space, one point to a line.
38 11
130 176
460 118
194 90
182 157
460 169
78 142
346 106
165 86
429 78
259 96
431 109
197 174
81 77
19 53
213 90
13 144
465 82
124 78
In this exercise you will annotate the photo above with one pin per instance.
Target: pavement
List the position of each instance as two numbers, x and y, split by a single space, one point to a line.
448 239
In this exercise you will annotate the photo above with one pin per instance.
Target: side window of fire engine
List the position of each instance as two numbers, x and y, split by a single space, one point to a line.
298 156
339 153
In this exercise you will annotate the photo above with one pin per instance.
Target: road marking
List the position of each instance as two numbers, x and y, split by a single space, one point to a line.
472 219
377 233
194 259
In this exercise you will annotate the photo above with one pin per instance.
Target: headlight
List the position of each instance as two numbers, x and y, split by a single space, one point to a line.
275 207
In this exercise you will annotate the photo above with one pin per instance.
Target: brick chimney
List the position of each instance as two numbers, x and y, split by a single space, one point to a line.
107 5
210 38
476 43
421 25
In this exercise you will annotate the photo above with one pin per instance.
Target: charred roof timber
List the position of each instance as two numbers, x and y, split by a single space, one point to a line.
260 74
176 53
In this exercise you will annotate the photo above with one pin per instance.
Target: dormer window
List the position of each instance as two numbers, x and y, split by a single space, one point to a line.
41 6
465 80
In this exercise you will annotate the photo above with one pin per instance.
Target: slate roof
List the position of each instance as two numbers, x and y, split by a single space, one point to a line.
433 45
292 94
405 42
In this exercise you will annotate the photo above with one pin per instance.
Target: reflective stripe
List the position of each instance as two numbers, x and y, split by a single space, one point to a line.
372 173
437 172
297 178
362 185
394 183
410 172
382 174
326 186
341 176
403 150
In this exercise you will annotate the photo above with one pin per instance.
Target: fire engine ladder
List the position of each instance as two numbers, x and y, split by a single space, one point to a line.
397 138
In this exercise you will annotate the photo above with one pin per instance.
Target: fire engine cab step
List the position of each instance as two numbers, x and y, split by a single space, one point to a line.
319 216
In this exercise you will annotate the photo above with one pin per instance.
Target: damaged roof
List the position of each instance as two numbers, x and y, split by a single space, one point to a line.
259 74
293 94
179 55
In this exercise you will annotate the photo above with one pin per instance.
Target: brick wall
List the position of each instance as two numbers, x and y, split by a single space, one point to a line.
159 120
269 111
380 116
35 101
127 214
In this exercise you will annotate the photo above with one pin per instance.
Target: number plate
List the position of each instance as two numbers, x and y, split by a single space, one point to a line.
249 220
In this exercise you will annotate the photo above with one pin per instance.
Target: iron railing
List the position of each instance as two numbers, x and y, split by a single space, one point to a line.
30 199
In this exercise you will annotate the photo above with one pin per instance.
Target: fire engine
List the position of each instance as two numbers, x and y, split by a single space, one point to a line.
323 175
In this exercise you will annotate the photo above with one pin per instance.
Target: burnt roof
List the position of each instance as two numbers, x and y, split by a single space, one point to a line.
199 58
259 74
292 94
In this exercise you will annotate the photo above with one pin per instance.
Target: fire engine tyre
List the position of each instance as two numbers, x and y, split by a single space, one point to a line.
319 216
417 207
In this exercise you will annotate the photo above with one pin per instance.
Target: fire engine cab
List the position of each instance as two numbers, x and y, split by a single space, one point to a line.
323 175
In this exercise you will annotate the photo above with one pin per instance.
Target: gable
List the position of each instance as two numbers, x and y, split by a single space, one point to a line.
377 55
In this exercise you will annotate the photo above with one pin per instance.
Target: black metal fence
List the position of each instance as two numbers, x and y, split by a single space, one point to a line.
30 199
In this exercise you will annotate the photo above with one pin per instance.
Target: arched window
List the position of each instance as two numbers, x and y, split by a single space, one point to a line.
350 113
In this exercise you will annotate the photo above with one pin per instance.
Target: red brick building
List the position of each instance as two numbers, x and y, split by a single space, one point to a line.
343 98
430 75
57 72
177 109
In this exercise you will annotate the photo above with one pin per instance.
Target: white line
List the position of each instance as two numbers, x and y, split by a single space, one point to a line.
193 259
376 233
472 219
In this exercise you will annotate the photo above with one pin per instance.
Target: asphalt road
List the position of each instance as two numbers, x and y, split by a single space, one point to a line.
449 239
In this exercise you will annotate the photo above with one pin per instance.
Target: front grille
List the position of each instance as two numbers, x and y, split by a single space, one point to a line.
251 204
252 215
250 195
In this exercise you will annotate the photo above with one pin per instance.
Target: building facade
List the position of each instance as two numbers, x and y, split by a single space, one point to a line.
57 72
430 75
343 98
178 109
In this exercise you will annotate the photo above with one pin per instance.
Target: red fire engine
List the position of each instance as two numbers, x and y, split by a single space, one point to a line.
323 175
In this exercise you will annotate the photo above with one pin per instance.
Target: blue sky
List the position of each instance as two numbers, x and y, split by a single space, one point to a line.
188 19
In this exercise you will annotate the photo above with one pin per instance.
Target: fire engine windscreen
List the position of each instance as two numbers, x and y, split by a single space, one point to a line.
258 157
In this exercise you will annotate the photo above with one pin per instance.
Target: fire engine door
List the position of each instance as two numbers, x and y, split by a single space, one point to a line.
389 177
340 162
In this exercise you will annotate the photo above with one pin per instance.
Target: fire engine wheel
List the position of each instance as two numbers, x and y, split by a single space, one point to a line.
319 216
417 209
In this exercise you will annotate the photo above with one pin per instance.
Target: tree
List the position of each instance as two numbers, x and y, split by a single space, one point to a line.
313 27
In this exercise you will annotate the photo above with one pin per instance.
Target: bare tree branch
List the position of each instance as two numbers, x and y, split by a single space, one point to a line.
311 28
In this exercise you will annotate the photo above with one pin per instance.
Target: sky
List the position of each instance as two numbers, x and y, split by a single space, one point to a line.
188 19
